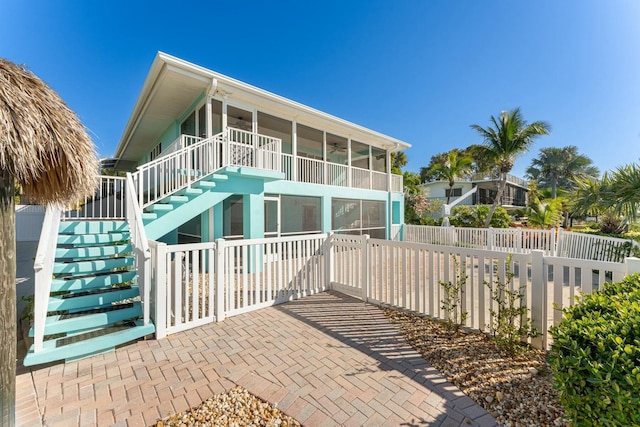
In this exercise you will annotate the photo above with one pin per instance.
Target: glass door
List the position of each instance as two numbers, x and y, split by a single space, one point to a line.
271 217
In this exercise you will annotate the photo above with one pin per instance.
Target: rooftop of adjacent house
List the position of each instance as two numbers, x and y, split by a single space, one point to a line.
173 85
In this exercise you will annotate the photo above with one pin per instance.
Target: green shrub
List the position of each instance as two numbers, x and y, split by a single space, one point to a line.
474 216
595 356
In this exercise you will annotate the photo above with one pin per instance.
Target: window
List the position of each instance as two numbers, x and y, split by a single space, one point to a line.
359 155
309 141
277 128
216 117
378 159
337 149
456 192
155 151
352 216
188 126
300 215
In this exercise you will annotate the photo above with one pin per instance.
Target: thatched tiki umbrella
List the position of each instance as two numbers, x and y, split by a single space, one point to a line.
45 148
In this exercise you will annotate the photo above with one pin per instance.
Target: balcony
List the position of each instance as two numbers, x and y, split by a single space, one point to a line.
296 168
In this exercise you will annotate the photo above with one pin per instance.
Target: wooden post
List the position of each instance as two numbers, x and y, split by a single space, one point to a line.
366 271
538 299
219 284
160 303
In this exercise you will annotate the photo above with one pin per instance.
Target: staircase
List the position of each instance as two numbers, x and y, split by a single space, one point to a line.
94 301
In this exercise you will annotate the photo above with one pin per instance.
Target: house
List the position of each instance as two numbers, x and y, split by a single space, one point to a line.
515 194
207 157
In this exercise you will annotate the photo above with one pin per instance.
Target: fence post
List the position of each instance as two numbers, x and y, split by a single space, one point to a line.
328 260
632 265
492 239
538 299
219 284
365 268
160 303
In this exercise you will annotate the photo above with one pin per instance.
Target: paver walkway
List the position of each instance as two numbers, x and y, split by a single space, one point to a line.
326 360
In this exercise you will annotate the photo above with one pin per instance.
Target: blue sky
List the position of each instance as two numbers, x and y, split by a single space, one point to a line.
421 71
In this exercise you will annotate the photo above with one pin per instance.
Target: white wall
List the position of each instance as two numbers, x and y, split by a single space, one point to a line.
29 220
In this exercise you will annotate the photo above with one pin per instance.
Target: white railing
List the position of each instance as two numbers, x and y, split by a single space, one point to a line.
287 166
263 272
499 239
310 170
108 202
201 283
250 149
337 175
378 181
561 243
43 267
396 232
587 246
168 174
397 185
140 245
409 276
494 177
360 178
180 142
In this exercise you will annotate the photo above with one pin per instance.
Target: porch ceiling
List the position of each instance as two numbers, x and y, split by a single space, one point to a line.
168 97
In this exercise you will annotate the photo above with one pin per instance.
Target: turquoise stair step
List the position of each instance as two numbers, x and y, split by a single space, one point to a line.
176 199
205 184
92 300
91 239
85 345
95 266
92 251
149 216
68 323
218 177
92 227
189 191
160 207
93 282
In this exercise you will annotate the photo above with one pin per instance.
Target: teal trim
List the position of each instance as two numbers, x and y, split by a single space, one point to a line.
60 324
327 215
91 239
92 251
218 223
253 216
96 266
53 350
396 212
93 282
91 301
92 227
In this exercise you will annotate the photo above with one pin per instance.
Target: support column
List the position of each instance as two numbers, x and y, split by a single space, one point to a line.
253 216
327 215
218 223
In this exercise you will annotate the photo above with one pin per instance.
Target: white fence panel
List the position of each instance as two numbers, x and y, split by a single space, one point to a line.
29 219
263 272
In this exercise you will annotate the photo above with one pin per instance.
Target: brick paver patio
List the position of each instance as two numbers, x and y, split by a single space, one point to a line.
325 360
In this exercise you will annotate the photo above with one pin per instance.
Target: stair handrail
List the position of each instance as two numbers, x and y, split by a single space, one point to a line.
140 245
43 266
181 160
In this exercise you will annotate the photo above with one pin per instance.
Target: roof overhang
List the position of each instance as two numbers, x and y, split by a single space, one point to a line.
173 85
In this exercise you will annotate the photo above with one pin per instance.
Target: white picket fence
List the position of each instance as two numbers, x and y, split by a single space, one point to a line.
201 283
409 276
195 284
557 242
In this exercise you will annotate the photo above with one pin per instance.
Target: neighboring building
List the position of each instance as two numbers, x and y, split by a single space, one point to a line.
515 194
319 173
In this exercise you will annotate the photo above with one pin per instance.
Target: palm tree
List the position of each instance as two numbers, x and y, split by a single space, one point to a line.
509 137
560 167
47 151
454 167
625 187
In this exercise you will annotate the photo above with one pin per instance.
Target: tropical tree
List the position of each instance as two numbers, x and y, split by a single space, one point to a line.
456 166
625 188
47 151
559 167
398 161
508 136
